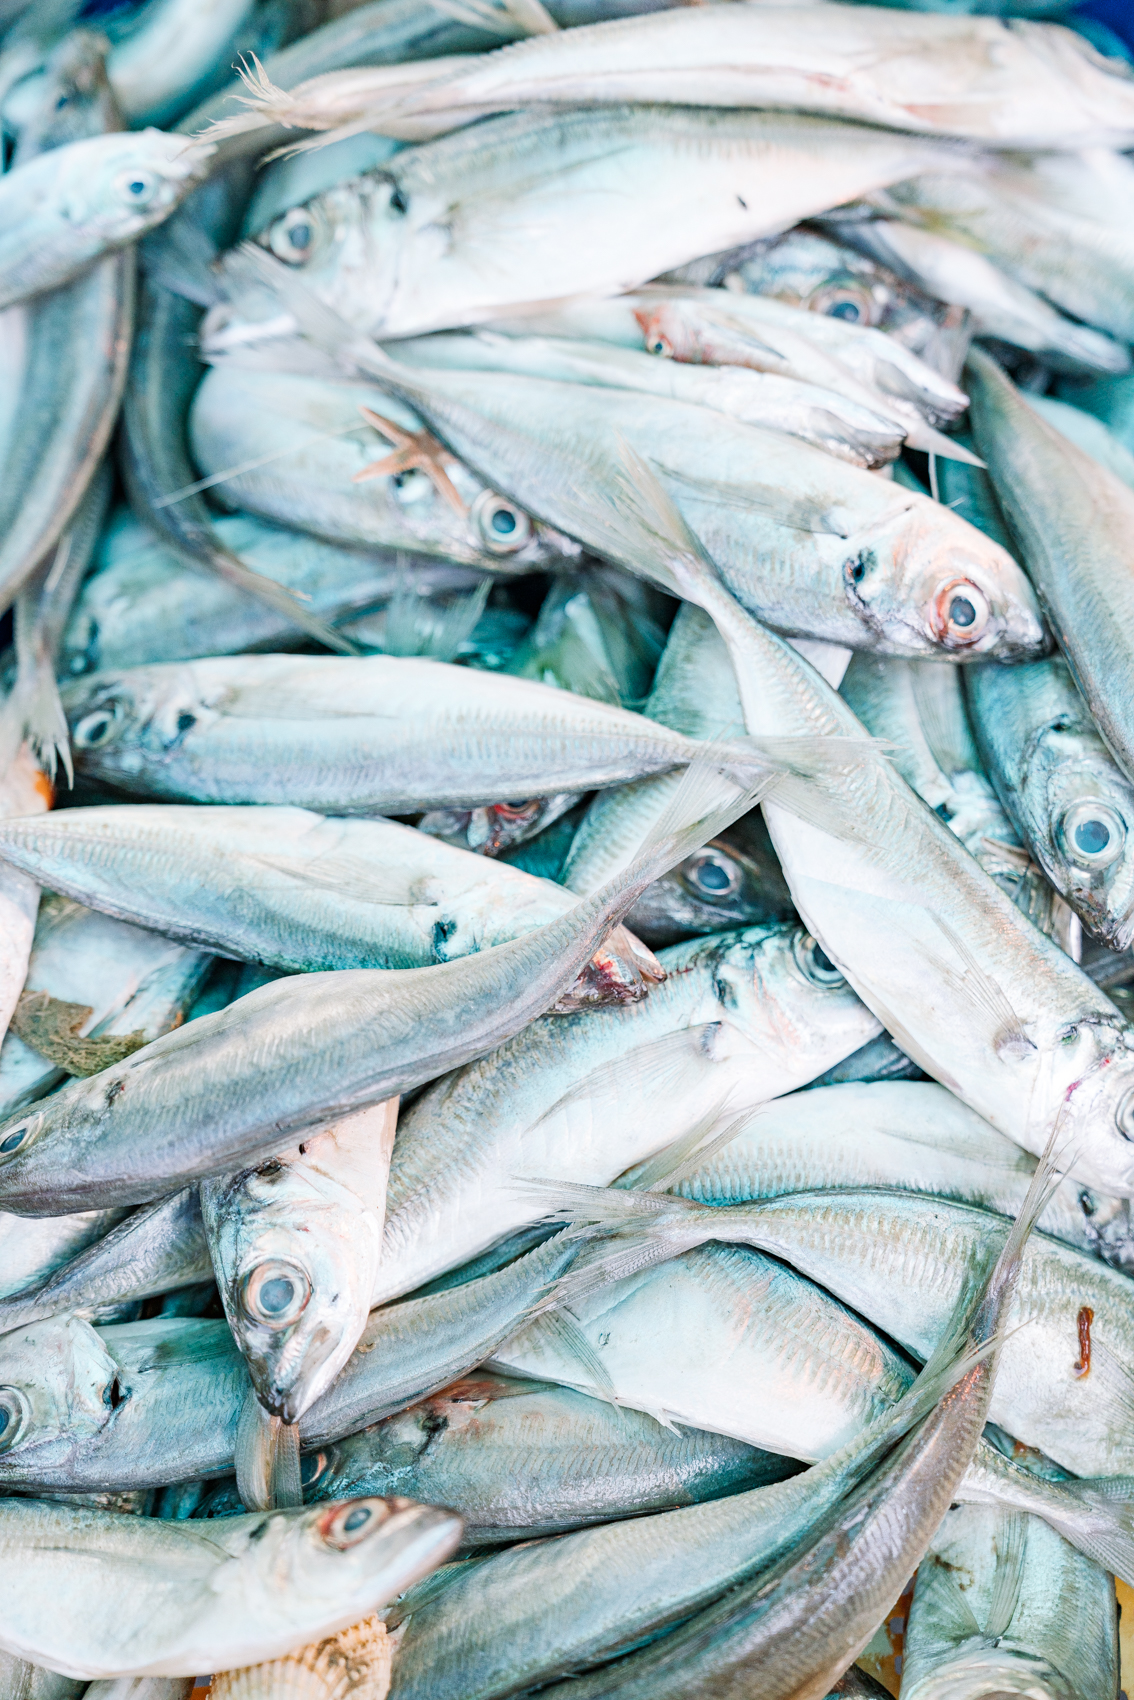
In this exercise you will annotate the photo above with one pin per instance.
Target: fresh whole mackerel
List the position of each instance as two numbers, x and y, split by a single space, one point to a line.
305 893
741 1018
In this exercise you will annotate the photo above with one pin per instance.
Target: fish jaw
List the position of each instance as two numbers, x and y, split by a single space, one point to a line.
622 970
57 1392
1096 1119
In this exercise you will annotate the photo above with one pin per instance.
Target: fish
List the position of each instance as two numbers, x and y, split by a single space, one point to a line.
294 1576
73 98
518 1460
817 415
741 1018
318 893
296 1247
35 1247
845 557
32 1682
906 1134
1000 306
163 64
412 738
1088 434
94 982
61 211
315 445
1001 1599
734 881
24 790
141 1688
599 633
1048 490
142 604
728 177
358 1657
1019 86
1068 796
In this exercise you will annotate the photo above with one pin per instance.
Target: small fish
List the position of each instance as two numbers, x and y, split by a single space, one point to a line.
289 1578
68 207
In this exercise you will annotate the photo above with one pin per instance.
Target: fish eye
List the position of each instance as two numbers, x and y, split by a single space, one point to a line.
136 186
275 1293
352 1521
813 962
660 345
12 1141
851 302
15 1415
961 612
711 875
398 202
292 238
1124 1115
500 525
1092 834
97 728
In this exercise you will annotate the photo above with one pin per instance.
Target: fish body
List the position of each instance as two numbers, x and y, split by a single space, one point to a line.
62 211
384 734
304 1574
319 443
741 1018
1068 796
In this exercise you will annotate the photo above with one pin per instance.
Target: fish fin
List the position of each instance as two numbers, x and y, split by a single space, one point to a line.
960 1621
921 436
1011 1549
987 995
564 1331
263 102
618 1260
267 1459
339 872
1101 1522
659 1172
795 513
317 321
182 260
441 640
661 1062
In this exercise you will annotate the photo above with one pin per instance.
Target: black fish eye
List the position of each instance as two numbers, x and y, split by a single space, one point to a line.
15 1414
1093 834
814 963
13 1141
712 874
275 1296
275 1293
398 202
961 611
849 310
502 527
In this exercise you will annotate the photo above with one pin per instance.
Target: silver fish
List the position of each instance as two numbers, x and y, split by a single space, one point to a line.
1003 1602
1088 434
306 1573
62 210
296 1247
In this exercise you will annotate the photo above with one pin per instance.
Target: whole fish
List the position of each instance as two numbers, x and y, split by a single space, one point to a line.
375 248
904 1134
741 1018
389 734
844 556
141 603
289 1578
91 982
1068 796
296 1247
1015 86
1001 1600
316 444
63 210
518 1461
316 893
901 1259
312 1048
1000 307
358 1656
1049 491
125 1407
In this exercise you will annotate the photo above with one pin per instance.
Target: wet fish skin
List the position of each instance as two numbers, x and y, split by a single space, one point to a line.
32 1682
741 1018
35 1247
520 1461
1049 490
306 1573
1001 1599
296 1247
61 212
1068 796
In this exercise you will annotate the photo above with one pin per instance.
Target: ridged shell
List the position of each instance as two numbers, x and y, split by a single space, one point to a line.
352 1665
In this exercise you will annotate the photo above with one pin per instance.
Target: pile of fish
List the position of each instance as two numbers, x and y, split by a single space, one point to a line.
566 849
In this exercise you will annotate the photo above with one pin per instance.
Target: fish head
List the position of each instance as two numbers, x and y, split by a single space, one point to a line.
59 1388
1095 1130
296 1262
349 1554
117 187
719 886
1082 825
926 583
125 723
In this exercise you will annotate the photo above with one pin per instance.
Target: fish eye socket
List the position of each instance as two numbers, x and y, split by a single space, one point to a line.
97 728
136 187
660 345
813 962
712 875
1124 1115
848 301
1093 834
275 1293
501 526
961 613
353 1521
292 238
12 1141
15 1415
